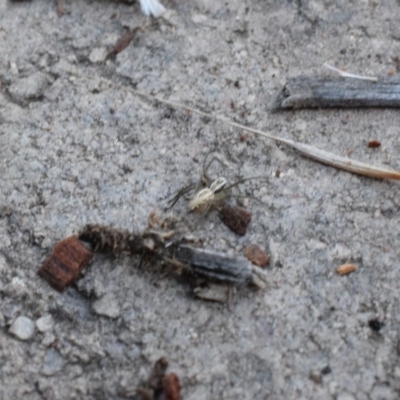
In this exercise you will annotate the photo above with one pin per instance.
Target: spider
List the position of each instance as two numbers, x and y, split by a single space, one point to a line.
213 196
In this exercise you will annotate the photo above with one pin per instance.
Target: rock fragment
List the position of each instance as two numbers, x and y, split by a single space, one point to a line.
23 328
53 362
29 88
45 323
107 306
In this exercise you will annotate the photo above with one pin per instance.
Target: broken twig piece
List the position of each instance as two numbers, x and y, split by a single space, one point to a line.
310 92
211 265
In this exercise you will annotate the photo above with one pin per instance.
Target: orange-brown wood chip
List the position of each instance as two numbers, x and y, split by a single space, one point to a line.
65 263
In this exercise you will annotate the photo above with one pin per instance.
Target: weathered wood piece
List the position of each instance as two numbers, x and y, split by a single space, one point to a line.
213 265
324 92
219 266
65 263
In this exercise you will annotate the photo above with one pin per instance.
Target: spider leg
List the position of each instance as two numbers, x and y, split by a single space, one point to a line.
181 193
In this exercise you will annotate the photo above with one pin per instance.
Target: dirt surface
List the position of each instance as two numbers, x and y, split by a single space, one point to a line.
77 146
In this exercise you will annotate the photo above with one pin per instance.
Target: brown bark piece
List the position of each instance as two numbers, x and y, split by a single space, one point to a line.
374 144
171 387
65 263
256 255
235 218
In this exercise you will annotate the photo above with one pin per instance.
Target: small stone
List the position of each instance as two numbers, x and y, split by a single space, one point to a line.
107 306
345 396
98 55
23 328
45 323
48 339
30 88
53 362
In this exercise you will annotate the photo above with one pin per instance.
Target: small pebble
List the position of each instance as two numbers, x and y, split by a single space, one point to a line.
23 328
107 306
29 88
45 323
53 362
48 339
98 55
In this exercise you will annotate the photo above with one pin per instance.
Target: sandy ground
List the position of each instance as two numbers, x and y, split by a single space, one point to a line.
77 146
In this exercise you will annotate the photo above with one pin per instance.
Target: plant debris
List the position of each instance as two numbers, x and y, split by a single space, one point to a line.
172 248
213 292
374 144
345 74
324 92
235 218
152 7
256 255
346 269
160 384
123 42
171 387
65 263
312 152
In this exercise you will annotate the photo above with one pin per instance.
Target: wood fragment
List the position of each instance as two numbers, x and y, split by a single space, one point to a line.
256 255
171 387
235 218
219 267
212 265
60 8
123 42
152 389
346 269
324 92
373 144
65 263
213 292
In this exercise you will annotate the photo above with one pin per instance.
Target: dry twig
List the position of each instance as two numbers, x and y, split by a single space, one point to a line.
322 156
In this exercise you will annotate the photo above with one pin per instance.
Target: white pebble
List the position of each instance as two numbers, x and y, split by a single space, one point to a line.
23 328
45 323
107 306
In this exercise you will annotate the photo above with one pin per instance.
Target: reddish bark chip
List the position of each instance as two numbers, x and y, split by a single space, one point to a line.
256 255
171 387
65 263
235 218
374 144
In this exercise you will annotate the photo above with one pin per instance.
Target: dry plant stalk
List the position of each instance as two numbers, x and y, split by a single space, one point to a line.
345 74
322 156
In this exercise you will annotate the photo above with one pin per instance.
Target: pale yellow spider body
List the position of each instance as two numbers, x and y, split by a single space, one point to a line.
208 197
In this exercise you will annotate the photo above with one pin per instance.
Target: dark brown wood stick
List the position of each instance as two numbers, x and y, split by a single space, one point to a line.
212 265
308 92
